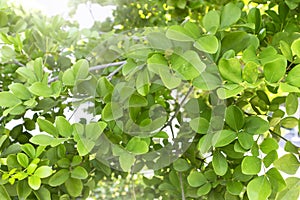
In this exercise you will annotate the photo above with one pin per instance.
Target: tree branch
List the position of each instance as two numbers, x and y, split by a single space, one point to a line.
274 133
181 186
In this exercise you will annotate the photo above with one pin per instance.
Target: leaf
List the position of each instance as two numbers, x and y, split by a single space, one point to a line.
289 122
211 21
291 103
23 189
43 171
159 40
79 173
286 50
268 145
34 182
276 180
230 14
204 189
245 139
47 126
38 68
188 65
3 193
93 130
81 69
296 47
137 146
207 81
259 188
156 63
63 126
40 89
208 44
20 91
270 158
219 163
234 117
143 83
236 41
251 165
59 177
137 101
275 70
104 87
292 191
234 187
181 165
43 140
196 179
43 194
231 70
74 187
288 164
111 111
250 72
200 125
223 138
169 82
256 125
179 33
22 159
7 99
68 77
126 161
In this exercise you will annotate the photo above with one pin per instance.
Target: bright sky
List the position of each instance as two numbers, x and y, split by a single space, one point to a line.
60 7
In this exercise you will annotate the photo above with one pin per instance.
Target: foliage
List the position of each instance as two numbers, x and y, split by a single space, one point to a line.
203 102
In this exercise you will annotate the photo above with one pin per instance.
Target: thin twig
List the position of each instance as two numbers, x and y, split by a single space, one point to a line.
18 63
273 132
94 68
114 72
178 108
181 186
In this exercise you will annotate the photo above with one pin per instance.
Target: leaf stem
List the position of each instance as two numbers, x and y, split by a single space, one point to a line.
273 132
181 186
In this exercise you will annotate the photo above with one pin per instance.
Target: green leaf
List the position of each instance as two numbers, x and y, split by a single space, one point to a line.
79 173
275 70
111 111
43 171
231 70
286 50
236 41
188 65
63 126
270 158
34 182
292 190
234 187
104 87
255 18
7 99
43 194
250 72
223 138
28 149
211 21
68 77
234 117
200 125
251 165
137 101
3 193
219 163
268 145
81 69
208 44
290 147
43 140
245 139
196 179
169 82
276 180
293 76
23 189
143 83
181 165
38 68
289 122
230 14
47 126
93 130
40 89
259 188
126 161
256 125
20 91
291 103
207 81
22 159
157 62
59 177
296 47
179 33
204 189
74 187
158 40
137 146
288 164
3 19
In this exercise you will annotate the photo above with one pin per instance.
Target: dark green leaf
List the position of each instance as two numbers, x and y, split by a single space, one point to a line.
256 125
234 117
251 165
196 179
59 177
74 187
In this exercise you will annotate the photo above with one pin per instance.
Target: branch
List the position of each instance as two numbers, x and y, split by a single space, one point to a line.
178 108
18 63
97 67
181 186
273 132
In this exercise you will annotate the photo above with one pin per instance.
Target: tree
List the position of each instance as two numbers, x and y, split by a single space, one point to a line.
202 100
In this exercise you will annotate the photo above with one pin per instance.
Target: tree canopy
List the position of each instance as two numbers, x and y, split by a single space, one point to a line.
200 93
